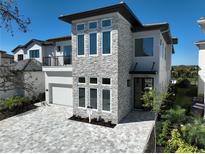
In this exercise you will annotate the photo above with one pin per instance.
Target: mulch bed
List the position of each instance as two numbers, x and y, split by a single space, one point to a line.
93 121
4 114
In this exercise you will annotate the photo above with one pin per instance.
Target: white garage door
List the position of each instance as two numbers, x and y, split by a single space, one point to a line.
62 95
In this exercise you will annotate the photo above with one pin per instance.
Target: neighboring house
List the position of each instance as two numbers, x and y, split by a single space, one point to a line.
27 79
201 63
34 49
114 59
6 59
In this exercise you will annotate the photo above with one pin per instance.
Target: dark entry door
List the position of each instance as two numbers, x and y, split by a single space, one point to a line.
140 84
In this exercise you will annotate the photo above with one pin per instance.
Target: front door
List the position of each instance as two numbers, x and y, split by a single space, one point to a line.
140 84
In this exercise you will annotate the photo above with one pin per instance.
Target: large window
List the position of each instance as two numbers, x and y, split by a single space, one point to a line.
93 44
67 54
80 44
144 47
93 98
34 53
106 42
81 97
106 99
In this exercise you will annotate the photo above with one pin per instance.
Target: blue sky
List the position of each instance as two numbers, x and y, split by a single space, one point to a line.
180 14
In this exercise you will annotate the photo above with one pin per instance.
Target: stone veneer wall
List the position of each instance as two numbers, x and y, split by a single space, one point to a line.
125 54
96 66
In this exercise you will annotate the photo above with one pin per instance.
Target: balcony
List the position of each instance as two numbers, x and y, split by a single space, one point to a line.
57 61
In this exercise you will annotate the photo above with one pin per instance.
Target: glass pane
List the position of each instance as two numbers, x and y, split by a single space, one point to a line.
34 53
82 97
93 80
93 43
148 46
106 42
80 27
93 98
106 100
144 47
93 25
106 23
106 80
81 80
80 44
67 54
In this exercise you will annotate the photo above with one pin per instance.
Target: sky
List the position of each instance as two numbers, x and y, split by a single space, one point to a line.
182 15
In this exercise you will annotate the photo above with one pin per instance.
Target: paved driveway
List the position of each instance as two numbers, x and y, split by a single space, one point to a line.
47 129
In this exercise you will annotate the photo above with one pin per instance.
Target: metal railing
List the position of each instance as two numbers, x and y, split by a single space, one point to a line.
57 61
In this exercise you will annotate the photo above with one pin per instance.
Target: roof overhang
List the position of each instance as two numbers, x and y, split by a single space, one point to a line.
57 39
201 22
122 8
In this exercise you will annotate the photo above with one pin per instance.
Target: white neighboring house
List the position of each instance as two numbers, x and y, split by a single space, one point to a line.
6 59
114 59
201 60
34 49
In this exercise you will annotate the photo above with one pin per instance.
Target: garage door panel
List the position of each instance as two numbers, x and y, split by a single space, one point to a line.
62 95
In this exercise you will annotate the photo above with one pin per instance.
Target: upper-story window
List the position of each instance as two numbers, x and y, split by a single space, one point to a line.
106 42
34 53
93 25
106 23
144 47
93 43
80 27
80 45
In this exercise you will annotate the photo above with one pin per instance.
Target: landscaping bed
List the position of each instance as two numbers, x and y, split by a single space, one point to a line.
178 130
94 121
15 105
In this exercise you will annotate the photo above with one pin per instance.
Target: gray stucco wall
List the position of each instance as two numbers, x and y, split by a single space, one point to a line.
99 66
125 53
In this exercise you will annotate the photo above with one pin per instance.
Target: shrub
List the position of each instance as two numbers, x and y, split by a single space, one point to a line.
183 83
177 144
194 133
163 135
176 115
192 91
16 102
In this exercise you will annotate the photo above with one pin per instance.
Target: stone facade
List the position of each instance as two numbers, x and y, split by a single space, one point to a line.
100 66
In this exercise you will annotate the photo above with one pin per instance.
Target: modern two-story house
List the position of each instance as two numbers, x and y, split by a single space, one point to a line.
50 52
114 59
201 63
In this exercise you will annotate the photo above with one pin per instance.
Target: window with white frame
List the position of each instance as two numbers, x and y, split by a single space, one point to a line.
34 53
93 98
93 80
106 23
81 79
80 45
93 25
106 42
93 43
80 27
81 97
106 99
106 81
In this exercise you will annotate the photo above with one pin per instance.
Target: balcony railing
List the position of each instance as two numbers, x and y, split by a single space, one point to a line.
57 61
